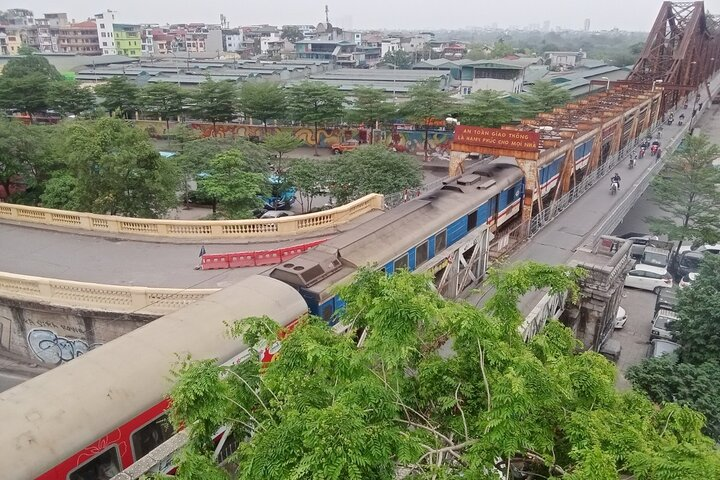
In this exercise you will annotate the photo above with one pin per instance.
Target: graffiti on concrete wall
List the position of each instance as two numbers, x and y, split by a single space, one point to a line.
410 141
51 348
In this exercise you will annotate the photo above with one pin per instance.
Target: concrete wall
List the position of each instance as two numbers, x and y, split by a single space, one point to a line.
51 335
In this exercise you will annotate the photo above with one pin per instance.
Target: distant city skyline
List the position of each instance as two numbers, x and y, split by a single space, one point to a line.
375 14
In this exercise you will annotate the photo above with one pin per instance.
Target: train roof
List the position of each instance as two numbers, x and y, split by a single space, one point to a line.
57 414
384 237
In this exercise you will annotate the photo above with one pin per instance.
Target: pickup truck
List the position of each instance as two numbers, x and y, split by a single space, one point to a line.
346 146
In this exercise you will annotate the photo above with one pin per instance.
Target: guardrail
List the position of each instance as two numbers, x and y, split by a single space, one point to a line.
110 298
220 261
195 229
556 207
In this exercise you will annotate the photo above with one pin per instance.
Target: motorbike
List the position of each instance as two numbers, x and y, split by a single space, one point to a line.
613 188
642 152
631 163
670 121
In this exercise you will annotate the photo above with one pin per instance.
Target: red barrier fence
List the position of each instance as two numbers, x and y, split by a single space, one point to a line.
219 261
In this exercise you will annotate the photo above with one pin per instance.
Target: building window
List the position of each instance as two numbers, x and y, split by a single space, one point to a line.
104 44
102 25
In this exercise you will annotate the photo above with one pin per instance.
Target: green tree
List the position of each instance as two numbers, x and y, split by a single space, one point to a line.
329 408
310 177
164 100
291 33
119 95
487 108
264 101
20 151
280 143
25 83
686 190
372 169
182 137
61 191
543 97
399 59
501 49
372 107
69 98
215 101
234 188
427 102
117 169
666 379
699 316
315 103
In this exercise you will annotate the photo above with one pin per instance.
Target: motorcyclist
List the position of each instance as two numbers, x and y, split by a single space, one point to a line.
616 180
681 119
642 151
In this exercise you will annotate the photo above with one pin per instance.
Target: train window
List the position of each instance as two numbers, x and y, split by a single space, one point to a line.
101 467
421 254
440 241
150 436
401 262
472 220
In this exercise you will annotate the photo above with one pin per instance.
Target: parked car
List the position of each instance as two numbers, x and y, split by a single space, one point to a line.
346 146
688 262
687 280
620 318
648 277
661 324
666 299
639 240
656 257
277 214
660 347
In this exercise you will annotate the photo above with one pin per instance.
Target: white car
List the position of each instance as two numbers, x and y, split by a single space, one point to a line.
647 277
276 214
688 279
661 324
620 318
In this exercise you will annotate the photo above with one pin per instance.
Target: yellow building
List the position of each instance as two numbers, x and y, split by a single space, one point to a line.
127 39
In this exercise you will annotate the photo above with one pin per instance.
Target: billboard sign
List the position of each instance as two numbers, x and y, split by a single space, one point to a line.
497 138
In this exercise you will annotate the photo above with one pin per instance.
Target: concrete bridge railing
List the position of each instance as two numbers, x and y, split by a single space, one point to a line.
192 229
109 298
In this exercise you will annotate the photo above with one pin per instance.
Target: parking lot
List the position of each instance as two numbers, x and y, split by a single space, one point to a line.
635 336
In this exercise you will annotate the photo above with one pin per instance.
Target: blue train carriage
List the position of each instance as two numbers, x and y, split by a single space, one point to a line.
582 153
421 234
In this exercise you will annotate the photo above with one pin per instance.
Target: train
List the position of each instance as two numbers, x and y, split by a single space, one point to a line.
93 417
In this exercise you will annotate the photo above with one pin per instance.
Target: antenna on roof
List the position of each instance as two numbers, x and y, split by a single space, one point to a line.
327 14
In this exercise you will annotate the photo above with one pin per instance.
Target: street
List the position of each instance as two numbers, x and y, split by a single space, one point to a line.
635 336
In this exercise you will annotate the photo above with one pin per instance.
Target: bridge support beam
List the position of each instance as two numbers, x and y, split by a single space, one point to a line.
593 320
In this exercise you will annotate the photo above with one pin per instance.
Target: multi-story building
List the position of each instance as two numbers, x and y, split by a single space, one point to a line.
232 39
127 39
104 22
3 44
80 38
339 52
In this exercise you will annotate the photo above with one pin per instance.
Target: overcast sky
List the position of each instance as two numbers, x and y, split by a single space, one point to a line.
366 14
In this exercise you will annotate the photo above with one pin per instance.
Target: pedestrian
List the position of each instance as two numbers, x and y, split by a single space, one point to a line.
202 252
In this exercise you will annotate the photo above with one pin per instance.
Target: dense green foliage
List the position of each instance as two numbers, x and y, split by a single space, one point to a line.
25 83
542 97
487 108
163 99
398 59
310 177
314 103
69 98
113 169
404 403
686 190
233 183
371 106
427 103
372 169
119 96
281 143
291 33
690 375
263 101
215 101
22 153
